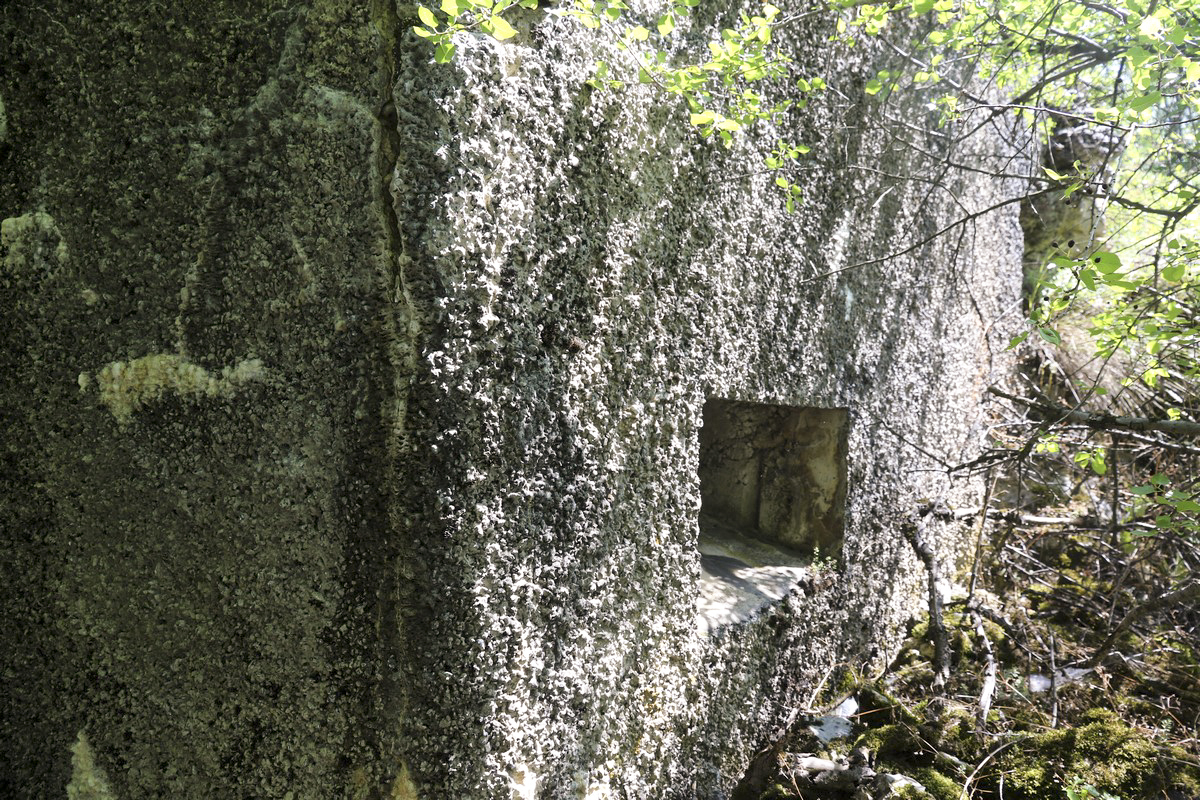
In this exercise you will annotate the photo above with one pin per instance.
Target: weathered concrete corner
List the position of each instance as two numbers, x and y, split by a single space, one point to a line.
354 406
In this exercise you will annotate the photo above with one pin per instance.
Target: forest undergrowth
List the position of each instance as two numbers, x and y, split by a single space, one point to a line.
1071 660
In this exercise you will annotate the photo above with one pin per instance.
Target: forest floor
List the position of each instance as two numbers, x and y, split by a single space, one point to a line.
1072 675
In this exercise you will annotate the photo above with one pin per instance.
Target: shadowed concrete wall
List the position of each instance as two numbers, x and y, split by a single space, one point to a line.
352 402
198 355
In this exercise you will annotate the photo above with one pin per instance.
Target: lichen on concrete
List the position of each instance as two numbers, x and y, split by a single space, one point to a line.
127 386
88 779
31 239
203 586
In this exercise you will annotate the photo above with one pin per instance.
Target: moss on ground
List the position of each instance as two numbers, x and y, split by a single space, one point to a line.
1103 751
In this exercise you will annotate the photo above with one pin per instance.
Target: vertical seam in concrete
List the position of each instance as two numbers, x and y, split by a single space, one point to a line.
404 320
401 325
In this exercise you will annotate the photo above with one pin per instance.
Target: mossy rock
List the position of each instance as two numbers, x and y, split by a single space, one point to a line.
898 743
876 706
937 785
1102 751
778 791
957 733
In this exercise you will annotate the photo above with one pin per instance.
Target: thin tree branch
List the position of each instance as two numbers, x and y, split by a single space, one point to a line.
1188 591
1105 422
932 237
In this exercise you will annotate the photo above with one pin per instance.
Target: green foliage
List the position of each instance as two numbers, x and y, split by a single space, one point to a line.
465 15
719 93
1078 790
1104 753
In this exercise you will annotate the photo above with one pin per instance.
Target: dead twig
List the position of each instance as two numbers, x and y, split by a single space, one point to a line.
995 751
1106 422
914 531
989 677
983 516
1053 686
1188 591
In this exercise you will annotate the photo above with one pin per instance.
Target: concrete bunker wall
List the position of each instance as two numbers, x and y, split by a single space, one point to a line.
602 276
357 402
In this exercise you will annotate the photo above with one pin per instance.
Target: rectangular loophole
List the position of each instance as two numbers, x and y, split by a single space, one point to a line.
775 474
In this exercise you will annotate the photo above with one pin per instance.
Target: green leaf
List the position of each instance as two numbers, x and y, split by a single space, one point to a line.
1150 26
638 34
427 16
500 29
1105 262
874 86
1174 273
424 33
1088 277
1050 335
1145 101
703 118
1138 55
666 24
444 52
1016 340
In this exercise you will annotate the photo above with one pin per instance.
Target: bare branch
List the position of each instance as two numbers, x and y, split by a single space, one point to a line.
1188 591
1105 422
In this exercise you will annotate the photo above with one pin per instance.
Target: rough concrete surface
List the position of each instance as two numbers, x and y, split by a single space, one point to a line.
352 402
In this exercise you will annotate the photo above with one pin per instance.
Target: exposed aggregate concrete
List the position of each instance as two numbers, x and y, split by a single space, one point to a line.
435 535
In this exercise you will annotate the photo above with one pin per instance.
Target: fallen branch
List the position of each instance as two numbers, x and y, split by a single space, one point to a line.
914 531
1188 591
1105 422
989 677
